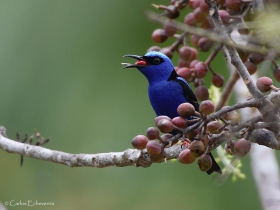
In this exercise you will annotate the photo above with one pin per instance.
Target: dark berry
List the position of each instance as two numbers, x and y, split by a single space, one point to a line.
204 162
229 147
192 134
218 80
256 58
207 107
214 127
197 148
152 133
201 92
165 126
204 44
276 73
252 68
139 142
153 147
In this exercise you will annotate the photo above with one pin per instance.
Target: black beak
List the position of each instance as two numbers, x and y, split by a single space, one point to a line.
141 62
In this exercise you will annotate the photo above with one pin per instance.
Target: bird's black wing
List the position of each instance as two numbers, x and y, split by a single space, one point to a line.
188 93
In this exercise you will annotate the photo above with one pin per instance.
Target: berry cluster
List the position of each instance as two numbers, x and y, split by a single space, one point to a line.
201 132
196 141
233 14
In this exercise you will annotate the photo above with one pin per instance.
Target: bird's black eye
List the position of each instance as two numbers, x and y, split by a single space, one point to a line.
156 60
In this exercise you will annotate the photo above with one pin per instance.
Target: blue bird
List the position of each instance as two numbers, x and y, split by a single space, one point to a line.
167 90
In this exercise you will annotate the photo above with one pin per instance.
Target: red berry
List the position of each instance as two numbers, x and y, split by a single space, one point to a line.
242 147
159 36
158 118
224 16
203 6
165 125
204 44
207 107
193 63
153 147
183 63
190 4
218 80
186 110
166 136
185 53
180 122
139 142
196 4
201 92
263 84
189 19
185 72
152 133
200 70
194 53
199 16
186 157
195 39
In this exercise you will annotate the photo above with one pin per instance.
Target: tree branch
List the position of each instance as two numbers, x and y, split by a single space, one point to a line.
129 157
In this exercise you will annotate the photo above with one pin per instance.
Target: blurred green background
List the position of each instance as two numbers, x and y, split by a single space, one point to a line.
61 74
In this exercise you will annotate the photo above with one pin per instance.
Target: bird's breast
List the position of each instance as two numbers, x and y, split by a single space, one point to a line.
165 97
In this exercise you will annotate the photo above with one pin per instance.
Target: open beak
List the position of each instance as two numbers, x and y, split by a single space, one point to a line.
139 63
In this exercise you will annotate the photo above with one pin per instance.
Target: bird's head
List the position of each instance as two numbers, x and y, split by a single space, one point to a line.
154 65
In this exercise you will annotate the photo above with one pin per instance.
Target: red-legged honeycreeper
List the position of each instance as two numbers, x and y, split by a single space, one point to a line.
167 90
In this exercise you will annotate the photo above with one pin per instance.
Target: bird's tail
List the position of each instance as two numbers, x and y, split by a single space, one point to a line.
214 167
